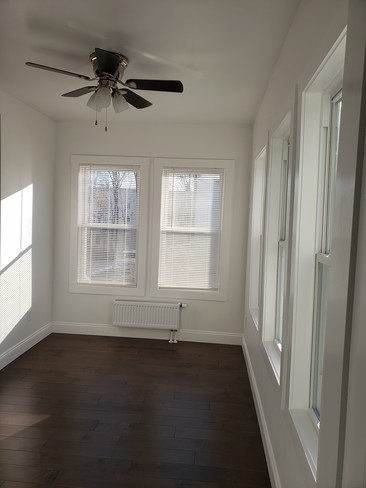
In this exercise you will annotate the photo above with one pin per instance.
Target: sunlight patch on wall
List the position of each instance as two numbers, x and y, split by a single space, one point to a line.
15 259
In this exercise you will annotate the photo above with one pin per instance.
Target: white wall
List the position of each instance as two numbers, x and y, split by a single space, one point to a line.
27 157
315 29
354 469
201 320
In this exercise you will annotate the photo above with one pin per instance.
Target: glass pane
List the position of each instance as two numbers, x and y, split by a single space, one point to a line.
333 160
191 199
108 196
283 199
280 293
108 255
319 335
188 260
257 224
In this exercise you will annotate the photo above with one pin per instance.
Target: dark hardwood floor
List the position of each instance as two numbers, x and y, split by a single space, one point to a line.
102 412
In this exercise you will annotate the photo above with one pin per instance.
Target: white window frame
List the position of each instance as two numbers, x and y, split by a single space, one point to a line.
256 238
307 204
141 164
224 255
276 241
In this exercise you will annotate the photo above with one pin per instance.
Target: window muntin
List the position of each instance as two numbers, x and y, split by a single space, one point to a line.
323 257
190 228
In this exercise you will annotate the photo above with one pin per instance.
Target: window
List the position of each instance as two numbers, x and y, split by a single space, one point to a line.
190 238
108 230
313 218
256 243
323 257
276 244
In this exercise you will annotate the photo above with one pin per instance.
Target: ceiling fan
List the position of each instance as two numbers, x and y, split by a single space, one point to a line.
108 68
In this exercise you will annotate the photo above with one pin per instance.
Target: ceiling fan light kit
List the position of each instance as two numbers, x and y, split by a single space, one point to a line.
119 102
100 99
108 69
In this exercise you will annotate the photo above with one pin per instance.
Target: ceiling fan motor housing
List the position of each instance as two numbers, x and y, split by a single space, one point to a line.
114 65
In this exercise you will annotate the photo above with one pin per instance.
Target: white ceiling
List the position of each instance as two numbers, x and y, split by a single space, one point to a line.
222 50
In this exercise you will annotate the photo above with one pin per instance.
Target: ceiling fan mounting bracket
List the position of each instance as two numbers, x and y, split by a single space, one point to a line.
123 63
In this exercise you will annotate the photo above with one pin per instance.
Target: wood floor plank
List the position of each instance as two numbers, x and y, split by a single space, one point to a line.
95 412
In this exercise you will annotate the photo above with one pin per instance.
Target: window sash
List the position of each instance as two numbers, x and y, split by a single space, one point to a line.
284 190
331 171
320 313
280 292
324 256
282 246
256 242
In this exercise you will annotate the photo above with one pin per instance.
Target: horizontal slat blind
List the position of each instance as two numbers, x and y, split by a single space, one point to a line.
108 216
191 209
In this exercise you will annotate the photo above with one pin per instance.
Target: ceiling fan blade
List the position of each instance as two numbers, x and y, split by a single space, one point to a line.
107 62
156 85
134 99
56 70
80 91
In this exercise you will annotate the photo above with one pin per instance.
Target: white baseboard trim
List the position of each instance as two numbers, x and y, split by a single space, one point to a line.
210 336
187 335
107 330
14 352
268 449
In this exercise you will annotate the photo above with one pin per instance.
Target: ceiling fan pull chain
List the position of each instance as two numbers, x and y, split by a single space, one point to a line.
106 121
96 116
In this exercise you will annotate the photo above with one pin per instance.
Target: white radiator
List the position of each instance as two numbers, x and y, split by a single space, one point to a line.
148 315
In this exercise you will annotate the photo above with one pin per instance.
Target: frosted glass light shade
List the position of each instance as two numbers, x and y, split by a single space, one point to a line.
100 99
119 103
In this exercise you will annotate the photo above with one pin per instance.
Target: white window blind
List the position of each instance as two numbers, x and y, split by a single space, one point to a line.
108 219
190 228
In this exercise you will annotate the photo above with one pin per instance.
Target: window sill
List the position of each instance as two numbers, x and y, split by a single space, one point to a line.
182 294
274 358
114 290
308 435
